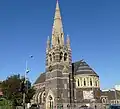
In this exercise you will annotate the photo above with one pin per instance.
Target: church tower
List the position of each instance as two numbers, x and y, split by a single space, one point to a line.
58 87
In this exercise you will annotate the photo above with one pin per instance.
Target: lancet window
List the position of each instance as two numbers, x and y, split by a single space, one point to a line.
53 56
90 82
65 56
50 57
84 82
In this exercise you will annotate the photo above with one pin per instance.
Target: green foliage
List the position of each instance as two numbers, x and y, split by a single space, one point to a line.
29 95
5 104
11 90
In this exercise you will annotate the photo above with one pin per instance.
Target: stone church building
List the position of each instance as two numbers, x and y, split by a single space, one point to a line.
65 84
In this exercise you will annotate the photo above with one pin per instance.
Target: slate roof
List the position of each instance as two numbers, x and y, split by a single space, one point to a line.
111 94
41 78
81 67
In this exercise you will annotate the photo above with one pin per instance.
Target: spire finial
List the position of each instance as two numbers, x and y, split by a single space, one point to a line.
57 5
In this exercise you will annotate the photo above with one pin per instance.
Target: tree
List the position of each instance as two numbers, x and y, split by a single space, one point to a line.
12 89
5 104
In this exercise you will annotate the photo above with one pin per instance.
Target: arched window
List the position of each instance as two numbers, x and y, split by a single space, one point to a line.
78 82
51 106
103 100
65 56
90 82
84 82
58 40
39 97
43 97
117 101
81 82
61 55
50 56
53 56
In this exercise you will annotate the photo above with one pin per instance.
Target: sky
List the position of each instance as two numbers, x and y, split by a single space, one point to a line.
93 26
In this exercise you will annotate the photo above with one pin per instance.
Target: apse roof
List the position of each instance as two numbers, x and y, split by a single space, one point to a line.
81 67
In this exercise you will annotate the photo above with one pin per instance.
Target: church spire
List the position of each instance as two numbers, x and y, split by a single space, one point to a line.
57 31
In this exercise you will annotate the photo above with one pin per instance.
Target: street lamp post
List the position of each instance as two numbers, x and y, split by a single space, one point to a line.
25 76
25 81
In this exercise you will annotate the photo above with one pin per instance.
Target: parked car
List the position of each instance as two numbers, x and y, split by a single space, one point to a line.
114 107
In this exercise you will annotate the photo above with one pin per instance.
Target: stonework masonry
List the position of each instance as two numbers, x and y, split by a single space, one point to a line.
66 84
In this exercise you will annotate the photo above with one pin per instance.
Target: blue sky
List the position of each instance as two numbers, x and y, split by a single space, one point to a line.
93 26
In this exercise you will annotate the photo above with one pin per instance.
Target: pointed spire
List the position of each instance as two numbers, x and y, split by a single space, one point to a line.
57 18
68 42
57 6
57 31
